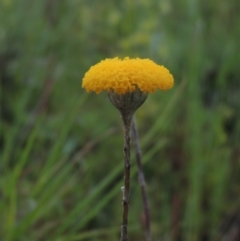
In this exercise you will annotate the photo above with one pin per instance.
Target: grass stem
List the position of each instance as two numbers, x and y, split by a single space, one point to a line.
141 179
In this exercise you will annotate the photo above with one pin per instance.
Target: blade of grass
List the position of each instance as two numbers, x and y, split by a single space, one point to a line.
11 188
162 118
47 172
45 202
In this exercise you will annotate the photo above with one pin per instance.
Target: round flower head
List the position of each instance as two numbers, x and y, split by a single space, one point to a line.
127 81
124 76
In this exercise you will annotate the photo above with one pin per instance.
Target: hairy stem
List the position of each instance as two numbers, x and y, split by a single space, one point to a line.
142 180
127 119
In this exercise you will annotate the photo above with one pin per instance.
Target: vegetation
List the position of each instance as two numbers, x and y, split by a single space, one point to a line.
61 161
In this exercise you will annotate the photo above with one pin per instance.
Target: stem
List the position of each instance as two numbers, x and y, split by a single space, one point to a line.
142 180
127 119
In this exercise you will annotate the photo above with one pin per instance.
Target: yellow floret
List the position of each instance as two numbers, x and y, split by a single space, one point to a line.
123 76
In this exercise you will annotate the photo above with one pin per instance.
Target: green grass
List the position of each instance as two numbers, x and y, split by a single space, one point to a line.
61 148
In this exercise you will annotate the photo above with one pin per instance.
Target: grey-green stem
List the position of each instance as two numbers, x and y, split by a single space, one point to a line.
127 120
127 104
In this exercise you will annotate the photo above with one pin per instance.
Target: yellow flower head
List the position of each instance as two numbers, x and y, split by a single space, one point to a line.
126 75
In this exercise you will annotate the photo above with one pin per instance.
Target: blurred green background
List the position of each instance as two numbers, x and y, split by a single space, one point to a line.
61 148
